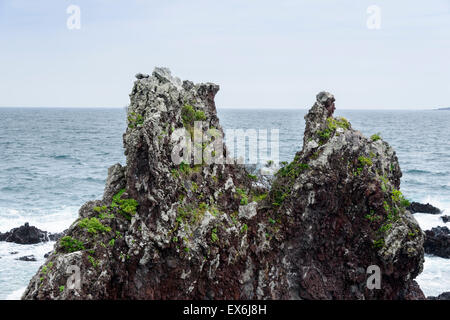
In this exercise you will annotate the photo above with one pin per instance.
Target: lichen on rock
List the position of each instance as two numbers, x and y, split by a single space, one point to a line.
198 229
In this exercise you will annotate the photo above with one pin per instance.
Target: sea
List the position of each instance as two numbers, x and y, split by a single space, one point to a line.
52 160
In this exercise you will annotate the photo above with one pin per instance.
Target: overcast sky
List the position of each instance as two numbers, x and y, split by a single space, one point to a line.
261 53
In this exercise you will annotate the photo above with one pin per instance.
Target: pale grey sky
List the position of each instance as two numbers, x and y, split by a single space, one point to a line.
261 53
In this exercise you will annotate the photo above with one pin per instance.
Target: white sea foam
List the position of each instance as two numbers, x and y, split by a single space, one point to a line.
16 294
434 279
428 221
55 220
14 274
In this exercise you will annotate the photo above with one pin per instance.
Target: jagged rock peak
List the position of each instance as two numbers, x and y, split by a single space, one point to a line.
141 76
318 114
157 214
325 98
164 75
167 230
341 195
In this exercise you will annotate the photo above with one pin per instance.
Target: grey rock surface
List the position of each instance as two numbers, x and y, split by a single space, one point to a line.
167 230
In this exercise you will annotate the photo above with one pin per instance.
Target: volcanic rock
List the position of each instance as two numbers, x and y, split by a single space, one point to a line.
141 76
437 242
171 228
25 234
56 236
27 258
442 296
415 207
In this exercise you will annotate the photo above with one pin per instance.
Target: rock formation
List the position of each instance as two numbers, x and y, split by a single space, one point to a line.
341 210
442 296
27 258
203 230
437 242
27 234
415 207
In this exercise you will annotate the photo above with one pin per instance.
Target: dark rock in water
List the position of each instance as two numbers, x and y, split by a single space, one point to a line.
442 296
437 242
423 208
56 236
171 230
445 219
27 258
14 252
47 254
25 235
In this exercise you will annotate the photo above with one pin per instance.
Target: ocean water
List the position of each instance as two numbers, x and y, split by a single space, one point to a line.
54 160
51 162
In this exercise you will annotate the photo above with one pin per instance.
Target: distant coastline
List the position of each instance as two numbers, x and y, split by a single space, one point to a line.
443 109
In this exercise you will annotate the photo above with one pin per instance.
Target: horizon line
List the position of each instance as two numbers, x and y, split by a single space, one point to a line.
237 108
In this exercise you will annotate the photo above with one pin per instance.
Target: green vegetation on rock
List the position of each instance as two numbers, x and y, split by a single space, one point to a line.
127 207
332 125
134 120
393 206
378 243
93 225
372 217
375 137
190 214
189 115
243 196
293 169
214 236
70 244
103 212
398 197
94 262
286 177
259 197
363 161
200 115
